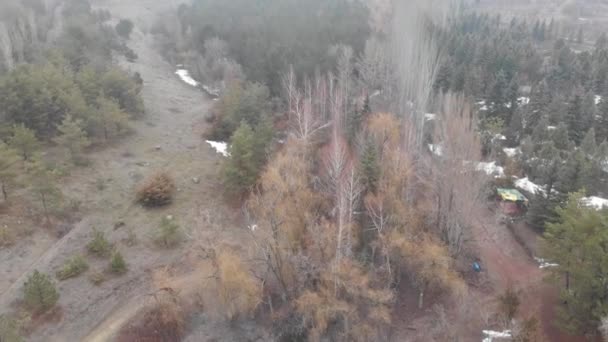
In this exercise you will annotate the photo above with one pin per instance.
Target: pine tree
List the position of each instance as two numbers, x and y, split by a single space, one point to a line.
8 174
601 121
110 120
573 118
370 167
24 140
72 137
43 185
39 292
589 145
241 167
576 242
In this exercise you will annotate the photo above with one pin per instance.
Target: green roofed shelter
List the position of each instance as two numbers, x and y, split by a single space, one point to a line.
511 195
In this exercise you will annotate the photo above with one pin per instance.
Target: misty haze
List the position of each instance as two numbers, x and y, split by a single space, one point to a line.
303 170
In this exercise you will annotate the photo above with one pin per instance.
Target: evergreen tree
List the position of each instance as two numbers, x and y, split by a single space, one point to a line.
576 242
370 167
560 137
110 120
573 119
241 167
601 121
24 141
8 174
72 137
442 81
589 145
39 292
43 185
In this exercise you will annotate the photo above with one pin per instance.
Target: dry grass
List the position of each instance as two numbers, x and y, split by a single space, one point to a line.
164 320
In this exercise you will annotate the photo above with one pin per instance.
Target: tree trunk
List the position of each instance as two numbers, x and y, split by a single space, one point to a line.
421 298
44 206
4 193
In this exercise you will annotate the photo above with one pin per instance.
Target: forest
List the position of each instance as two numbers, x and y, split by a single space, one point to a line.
362 147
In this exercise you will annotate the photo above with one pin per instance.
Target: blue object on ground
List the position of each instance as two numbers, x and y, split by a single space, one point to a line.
476 267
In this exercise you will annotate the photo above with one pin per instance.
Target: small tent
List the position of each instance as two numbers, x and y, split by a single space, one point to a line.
511 201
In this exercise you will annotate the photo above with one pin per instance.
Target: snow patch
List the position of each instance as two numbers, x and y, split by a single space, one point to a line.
595 202
526 185
211 91
511 152
220 147
184 75
436 149
491 169
499 137
430 116
523 100
598 99
490 335
542 263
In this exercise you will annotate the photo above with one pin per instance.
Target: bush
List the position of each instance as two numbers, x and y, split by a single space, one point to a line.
124 28
99 246
73 267
9 329
156 191
97 278
7 237
169 234
39 292
118 264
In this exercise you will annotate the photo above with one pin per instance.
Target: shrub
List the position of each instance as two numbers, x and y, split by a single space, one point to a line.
156 191
118 264
169 234
39 292
99 245
7 237
124 28
73 267
9 329
97 278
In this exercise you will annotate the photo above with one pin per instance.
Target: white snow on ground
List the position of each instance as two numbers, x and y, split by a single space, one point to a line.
522 101
374 94
220 147
527 185
483 105
499 137
430 116
511 152
595 202
598 99
542 263
211 91
184 75
436 149
490 335
491 169
551 128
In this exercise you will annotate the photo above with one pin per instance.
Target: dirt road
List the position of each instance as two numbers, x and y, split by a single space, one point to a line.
168 138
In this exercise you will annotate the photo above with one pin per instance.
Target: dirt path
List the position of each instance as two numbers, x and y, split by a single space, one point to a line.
168 138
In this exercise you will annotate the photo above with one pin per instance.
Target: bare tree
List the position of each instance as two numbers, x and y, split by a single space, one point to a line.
416 55
457 185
